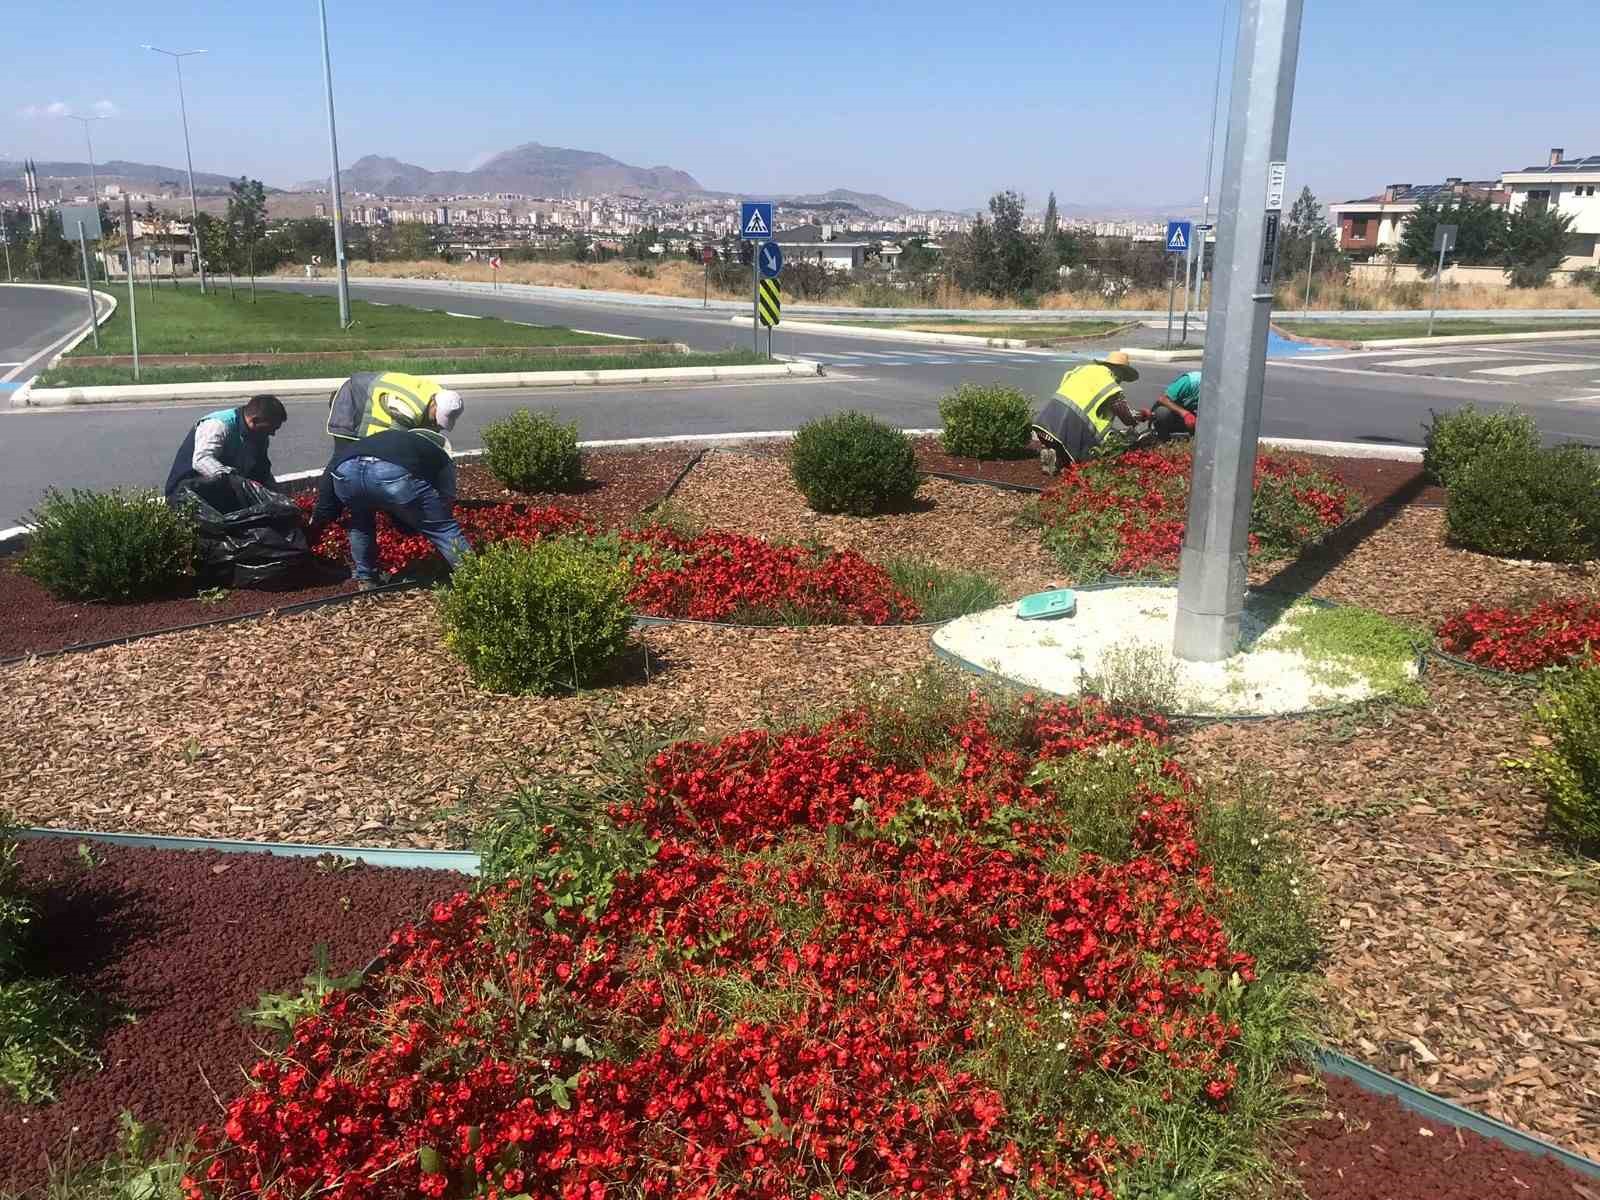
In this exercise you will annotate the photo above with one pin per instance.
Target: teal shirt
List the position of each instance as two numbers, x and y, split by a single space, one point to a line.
1185 391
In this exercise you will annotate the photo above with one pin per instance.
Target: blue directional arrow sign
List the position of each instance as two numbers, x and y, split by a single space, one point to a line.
1179 235
770 259
755 220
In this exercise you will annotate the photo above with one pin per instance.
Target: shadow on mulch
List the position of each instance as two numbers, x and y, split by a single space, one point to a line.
1302 574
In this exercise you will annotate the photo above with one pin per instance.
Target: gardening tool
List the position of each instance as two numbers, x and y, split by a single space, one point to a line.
1045 606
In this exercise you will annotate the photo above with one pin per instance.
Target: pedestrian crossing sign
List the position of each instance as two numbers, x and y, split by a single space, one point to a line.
755 220
1178 237
771 306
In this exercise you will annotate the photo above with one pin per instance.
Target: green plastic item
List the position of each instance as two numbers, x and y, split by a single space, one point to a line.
1045 606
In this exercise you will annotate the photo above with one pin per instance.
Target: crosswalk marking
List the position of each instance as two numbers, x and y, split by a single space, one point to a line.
1432 360
1535 369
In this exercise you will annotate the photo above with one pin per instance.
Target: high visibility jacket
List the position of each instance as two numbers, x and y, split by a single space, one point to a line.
1091 389
373 402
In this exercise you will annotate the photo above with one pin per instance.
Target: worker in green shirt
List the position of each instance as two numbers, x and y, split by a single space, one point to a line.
1176 408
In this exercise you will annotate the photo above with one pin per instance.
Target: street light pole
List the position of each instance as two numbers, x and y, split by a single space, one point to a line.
94 180
333 182
1211 155
1216 543
177 57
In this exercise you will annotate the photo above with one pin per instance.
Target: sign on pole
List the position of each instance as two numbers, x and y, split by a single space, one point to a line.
133 314
1179 234
87 214
1444 241
1216 543
770 257
755 220
771 302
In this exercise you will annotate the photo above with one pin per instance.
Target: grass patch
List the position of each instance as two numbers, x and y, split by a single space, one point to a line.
1366 331
143 1167
182 321
69 376
941 593
1343 644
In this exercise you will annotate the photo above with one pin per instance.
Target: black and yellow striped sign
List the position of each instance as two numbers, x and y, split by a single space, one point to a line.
771 306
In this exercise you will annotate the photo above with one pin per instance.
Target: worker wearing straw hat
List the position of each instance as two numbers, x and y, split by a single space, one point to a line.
1077 418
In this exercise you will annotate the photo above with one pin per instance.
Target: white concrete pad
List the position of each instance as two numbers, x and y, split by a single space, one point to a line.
1432 360
1519 369
1119 644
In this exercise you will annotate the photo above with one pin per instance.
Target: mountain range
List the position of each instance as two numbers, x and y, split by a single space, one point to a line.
115 170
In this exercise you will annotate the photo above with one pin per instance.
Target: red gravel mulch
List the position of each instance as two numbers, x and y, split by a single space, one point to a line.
1368 1147
930 457
618 485
186 941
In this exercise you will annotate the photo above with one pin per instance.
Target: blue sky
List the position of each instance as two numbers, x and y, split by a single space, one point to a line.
935 103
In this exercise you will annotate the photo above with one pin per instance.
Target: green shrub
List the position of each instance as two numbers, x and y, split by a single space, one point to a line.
533 452
118 545
542 618
992 421
1536 503
853 463
1569 768
1587 277
1452 440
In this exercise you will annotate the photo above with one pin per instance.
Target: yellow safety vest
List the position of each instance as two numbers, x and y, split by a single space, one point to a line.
1091 389
397 401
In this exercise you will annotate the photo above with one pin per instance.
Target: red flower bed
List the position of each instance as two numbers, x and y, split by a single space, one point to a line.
712 576
818 971
1554 633
1126 515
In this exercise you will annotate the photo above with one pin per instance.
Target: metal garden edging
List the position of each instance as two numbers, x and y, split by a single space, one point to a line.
464 861
1439 1109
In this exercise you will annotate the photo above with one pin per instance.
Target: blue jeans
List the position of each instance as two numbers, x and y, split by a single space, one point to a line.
367 485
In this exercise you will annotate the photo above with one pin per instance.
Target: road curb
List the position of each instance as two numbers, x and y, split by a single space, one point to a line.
241 390
894 335
1461 339
1138 354
52 354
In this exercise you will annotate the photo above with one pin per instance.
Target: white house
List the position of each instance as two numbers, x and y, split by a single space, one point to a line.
1567 185
817 243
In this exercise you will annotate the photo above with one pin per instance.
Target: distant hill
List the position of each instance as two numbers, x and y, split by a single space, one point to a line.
115 171
878 206
533 169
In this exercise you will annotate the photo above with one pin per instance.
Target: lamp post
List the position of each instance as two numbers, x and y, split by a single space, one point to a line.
333 182
177 57
1211 155
94 180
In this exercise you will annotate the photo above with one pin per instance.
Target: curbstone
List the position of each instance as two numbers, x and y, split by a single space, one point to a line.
1140 354
895 335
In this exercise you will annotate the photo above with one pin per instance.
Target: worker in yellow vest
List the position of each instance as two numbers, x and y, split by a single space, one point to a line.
1077 418
375 402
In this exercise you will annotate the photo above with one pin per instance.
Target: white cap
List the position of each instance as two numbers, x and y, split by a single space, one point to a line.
447 407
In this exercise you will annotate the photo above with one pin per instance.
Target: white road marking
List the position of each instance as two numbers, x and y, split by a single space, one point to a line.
1434 360
379 303
1302 365
10 364
464 316
1521 369
621 337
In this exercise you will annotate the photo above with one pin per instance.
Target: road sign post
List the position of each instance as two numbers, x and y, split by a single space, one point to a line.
770 306
1444 241
88 285
1213 566
5 241
755 225
127 248
707 254
1179 236
1311 267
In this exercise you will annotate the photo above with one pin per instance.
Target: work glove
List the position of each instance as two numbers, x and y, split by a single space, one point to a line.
1144 414
1188 420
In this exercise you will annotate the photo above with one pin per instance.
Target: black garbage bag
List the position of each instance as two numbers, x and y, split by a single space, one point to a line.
249 535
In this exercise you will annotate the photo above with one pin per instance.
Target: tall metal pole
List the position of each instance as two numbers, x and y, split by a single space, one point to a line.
755 296
5 240
94 179
1310 270
133 312
88 286
177 57
1213 566
1211 154
333 183
1438 278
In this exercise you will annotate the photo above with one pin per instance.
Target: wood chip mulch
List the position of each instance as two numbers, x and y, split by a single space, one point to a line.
1464 951
956 525
617 484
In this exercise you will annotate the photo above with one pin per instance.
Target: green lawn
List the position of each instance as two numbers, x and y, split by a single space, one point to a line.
70 376
1367 331
182 321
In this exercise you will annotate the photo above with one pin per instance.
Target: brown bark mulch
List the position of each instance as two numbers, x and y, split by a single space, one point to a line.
183 942
617 484
1367 1147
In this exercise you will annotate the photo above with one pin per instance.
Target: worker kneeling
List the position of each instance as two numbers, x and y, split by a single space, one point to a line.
1076 419
407 473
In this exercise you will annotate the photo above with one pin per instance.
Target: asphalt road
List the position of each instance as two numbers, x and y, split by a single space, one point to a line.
32 320
1374 396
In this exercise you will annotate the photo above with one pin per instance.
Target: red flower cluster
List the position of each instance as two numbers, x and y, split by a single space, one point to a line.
713 576
1126 515
1554 633
829 973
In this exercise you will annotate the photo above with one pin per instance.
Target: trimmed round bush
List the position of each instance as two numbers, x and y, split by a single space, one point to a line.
1452 440
850 462
1569 767
1537 503
986 421
541 618
533 452
120 545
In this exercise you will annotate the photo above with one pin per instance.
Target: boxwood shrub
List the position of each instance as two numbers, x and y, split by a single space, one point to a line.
850 462
1569 767
986 421
541 618
1528 502
533 452
1453 440
119 545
